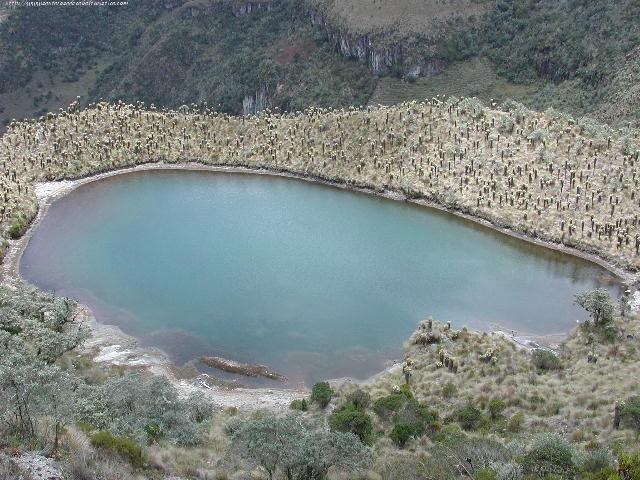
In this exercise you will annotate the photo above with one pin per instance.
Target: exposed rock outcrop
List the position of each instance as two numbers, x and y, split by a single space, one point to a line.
244 8
383 52
241 368
257 102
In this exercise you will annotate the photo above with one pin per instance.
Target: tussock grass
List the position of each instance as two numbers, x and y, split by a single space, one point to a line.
543 175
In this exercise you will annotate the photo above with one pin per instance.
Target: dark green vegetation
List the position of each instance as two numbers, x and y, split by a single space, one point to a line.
578 56
179 53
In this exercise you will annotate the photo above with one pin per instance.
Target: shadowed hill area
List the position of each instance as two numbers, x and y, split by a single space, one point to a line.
244 56
173 53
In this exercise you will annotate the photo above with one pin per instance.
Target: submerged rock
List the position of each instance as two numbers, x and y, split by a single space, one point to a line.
242 368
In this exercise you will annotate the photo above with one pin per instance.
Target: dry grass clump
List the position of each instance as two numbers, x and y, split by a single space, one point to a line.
546 176
577 400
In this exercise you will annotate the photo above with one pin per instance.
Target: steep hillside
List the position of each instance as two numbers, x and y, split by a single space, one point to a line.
240 56
545 176
244 61
247 55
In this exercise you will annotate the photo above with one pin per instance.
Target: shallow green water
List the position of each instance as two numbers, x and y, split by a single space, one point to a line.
314 281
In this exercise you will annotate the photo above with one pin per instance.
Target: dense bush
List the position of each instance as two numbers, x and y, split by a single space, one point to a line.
387 406
495 408
321 394
299 404
123 446
401 434
359 399
146 408
596 462
37 397
631 412
286 444
516 422
469 417
410 418
549 454
545 360
629 465
348 418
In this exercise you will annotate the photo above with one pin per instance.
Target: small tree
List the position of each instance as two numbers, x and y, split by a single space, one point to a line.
598 303
544 360
349 419
323 450
270 442
321 394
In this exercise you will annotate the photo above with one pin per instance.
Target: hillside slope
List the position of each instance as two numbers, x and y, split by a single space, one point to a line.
544 176
247 55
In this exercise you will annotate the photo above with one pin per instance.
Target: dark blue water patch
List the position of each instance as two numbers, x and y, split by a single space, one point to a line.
313 281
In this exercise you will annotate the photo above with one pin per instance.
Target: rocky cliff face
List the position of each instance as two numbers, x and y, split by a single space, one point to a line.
244 8
257 102
382 53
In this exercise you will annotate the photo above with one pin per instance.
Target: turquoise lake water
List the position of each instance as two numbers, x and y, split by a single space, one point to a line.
313 281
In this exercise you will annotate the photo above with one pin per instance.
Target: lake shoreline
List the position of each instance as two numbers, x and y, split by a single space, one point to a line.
109 340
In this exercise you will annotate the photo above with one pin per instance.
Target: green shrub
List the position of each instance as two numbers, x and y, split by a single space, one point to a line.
631 412
468 417
598 303
387 406
597 462
359 399
349 419
486 474
414 414
549 454
449 390
545 360
85 427
153 431
401 434
496 407
123 446
629 465
17 228
516 422
299 404
321 394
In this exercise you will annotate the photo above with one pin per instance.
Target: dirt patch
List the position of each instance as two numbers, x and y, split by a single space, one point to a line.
289 49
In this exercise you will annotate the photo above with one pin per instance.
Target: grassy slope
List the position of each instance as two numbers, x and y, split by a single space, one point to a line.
475 77
407 16
542 175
